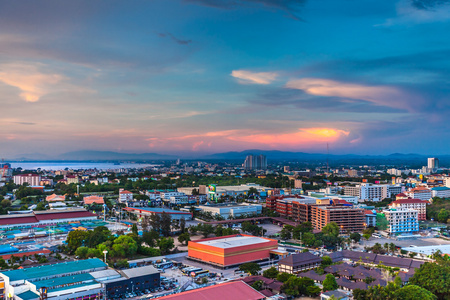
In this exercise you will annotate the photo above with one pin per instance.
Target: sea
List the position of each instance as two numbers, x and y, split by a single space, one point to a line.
78 165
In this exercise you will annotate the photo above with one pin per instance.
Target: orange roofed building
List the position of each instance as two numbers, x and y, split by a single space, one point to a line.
232 250
88 200
55 198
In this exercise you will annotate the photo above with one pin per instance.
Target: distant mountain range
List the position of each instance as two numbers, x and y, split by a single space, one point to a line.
272 155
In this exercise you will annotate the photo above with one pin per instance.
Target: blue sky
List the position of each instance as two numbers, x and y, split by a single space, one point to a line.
173 76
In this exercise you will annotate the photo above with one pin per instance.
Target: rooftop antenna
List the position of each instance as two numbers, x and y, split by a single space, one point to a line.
328 153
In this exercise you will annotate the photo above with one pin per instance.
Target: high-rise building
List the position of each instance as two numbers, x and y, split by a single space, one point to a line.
433 163
255 162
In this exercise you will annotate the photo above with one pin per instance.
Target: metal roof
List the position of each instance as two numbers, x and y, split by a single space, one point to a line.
235 241
141 271
54 269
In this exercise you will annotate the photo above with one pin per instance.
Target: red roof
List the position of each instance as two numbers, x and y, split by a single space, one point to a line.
64 215
125 192
401 195
368 212
28 253
17 219
237 290
408 201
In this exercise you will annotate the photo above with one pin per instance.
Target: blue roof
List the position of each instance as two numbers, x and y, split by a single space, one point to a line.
159 210
8 249
440 188
58 281
28 295
54 269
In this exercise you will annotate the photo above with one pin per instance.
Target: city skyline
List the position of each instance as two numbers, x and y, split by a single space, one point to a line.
205 76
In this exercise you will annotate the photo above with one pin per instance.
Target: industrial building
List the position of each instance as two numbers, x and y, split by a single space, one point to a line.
233 210
68 280
231 250
148 211
81 279
45 218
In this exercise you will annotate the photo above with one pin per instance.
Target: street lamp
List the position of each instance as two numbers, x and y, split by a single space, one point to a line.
104 252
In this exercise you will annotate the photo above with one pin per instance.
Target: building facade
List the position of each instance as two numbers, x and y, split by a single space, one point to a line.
402 220
30 179
414 204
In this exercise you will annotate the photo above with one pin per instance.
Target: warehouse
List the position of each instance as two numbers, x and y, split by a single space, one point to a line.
232 250
148 211
44 218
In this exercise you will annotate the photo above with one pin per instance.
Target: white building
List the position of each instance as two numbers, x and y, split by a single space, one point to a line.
125 196
421 193
433 163
232 210
402 220
441 192
31 179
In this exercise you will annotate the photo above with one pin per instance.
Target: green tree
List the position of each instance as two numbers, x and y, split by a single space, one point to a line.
184 238
82 252
166 221
313 290
134 229
329 284
257 285
166 245
285 234
251 267
205 229
124 246
331 229
271 272
414 292
76 239
182 224
443 216
150 238
356 237
326 261
155 222
283 277
434 278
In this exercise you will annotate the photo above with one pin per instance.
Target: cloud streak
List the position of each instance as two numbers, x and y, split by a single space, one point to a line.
379 95
32 83
248 77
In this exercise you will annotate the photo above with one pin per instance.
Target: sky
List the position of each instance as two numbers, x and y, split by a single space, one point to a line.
209 76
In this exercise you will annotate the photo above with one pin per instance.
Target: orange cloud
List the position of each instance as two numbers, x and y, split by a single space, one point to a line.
302 137
32 83
247 77
380 95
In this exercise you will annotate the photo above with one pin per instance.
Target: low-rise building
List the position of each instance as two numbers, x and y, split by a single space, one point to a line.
88 200
421 193
148 211
441 192
371 218
296 263
233 250
55 198
233 210
125 196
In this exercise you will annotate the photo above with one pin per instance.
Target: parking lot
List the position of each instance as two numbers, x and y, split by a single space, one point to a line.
422 241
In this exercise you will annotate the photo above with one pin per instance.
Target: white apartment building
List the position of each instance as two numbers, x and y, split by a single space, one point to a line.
166 195
31 179
414 204
373 192
179 199
441 192
421 193
125 196
402 220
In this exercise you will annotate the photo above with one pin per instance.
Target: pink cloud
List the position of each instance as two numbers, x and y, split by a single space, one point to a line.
380 95
248 77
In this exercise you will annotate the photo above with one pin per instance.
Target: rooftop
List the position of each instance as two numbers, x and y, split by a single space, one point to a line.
54 269
157 210
141 271
300 259
236 290
234 241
